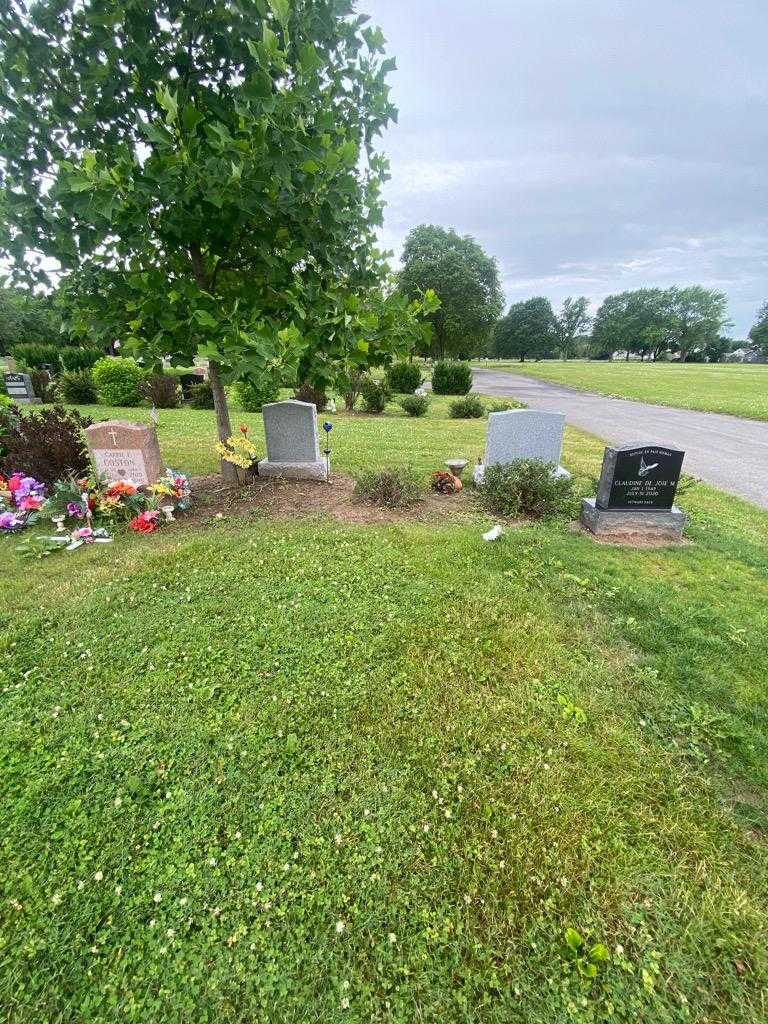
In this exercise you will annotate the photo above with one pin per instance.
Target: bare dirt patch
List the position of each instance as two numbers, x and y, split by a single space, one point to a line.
295 499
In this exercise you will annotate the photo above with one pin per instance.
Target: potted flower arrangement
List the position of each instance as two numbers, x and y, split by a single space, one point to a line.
240 451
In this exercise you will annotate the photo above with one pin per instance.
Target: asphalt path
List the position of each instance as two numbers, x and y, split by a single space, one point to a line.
727 451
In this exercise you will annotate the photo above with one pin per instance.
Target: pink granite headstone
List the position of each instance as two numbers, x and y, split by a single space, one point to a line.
125 451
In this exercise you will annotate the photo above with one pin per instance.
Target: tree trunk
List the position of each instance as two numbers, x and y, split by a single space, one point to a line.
223 424
627 356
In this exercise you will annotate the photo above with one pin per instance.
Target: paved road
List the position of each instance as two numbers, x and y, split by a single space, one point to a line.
726 451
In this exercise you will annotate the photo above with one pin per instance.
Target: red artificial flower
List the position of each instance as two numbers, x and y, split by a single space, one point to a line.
145 522
243 428
14 482
30 503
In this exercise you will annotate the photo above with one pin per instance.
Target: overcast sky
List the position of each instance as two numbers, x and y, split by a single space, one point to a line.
589 145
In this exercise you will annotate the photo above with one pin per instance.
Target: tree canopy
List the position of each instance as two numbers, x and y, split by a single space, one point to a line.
759 332
650 321
571 322
205 174
25 317
466 281
527 331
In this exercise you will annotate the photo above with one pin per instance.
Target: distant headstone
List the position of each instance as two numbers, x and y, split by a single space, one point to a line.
19 387
636 493
293 450
523 434
125 451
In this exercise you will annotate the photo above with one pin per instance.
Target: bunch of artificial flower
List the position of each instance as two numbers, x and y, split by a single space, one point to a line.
21 498
240 451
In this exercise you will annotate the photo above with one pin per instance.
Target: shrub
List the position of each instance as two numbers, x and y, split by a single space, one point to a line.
33 355
398 487
253 394
76 386
375 394
306 393
403 378
451 377
201 395
415 405
162 390
118 380
505 406
80 358
48 445
468 408
526 487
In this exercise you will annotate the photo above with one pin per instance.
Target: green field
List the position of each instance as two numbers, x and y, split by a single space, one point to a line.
718 387
264 770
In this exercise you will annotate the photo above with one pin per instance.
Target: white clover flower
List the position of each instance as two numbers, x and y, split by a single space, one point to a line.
345 1004
157 897
392 938
340 926
98 875
56 899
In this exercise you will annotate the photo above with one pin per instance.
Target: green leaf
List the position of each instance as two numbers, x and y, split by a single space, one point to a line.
573 939
204 318
310 167
281 9
191 117
599 953
167 101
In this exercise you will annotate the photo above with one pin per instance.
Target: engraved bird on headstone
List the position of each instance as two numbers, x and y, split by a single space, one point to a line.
644 468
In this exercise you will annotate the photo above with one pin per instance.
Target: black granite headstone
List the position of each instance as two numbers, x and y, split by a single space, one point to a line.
637 477
19 387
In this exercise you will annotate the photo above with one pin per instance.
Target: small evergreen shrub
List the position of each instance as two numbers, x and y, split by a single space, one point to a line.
375 395
451 377
118 380
398 487
403 378
526 487
415 405
77 387
32 355
162 390
252 395
307 393
468 408
74 358
47 445
201 395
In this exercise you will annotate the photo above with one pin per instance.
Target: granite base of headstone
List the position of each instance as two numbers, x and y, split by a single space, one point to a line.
293 449
636 495
523 434
19 388
122 450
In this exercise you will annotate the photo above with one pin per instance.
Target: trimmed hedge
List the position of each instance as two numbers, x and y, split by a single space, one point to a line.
118 380
403 378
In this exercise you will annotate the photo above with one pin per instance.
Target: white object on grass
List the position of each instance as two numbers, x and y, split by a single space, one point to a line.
494 533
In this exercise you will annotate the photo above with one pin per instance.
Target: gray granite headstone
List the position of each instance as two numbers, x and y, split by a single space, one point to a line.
523 434
293 449
19 387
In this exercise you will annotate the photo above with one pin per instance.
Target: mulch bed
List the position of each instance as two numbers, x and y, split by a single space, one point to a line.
292 499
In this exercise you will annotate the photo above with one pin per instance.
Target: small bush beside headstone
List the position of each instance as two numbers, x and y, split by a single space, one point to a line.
162 390
451 377
397 487
308 393
201 395
469 408
47 445
253 394
526 487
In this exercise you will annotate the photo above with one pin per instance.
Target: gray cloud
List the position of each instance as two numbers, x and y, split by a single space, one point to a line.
590 145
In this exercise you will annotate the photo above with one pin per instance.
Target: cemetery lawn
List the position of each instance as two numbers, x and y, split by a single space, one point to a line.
307 771
741 390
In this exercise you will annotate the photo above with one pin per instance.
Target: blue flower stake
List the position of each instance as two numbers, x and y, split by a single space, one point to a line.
327 427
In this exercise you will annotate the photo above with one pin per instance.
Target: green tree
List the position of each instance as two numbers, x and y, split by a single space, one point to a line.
698 315
759 332
527 331
25 317
466 281
572 321
716 350
639 321
206 173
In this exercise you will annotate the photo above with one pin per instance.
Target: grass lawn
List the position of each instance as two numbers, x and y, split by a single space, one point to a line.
303 772
718 387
